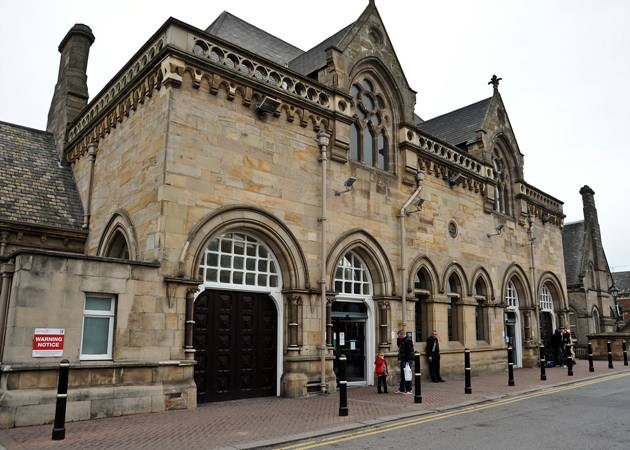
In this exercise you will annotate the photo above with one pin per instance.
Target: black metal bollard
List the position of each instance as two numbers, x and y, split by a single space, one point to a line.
625 352
591 368
343 387
610 364
510 366
59 426
417 398
467 386
570 360
543 363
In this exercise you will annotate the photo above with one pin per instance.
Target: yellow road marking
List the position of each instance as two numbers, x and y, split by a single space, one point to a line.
378 429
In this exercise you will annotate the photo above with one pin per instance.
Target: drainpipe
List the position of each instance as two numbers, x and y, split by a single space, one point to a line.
323 139
6 277
532 274
403 266
92 148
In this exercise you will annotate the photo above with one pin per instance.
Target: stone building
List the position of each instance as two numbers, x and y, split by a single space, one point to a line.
591 306
622 282
231 212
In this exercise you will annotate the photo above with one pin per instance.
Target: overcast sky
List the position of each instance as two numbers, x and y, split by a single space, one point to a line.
565 66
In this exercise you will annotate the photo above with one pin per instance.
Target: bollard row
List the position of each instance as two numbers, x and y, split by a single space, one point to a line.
343 387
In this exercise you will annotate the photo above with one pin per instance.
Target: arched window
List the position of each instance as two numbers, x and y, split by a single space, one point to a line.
511 295
596 323
422 290
502 189
546 299
368 136
454 292
481 295
352 276
118 247
240 260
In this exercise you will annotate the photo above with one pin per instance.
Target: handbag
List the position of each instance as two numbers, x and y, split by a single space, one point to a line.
407 371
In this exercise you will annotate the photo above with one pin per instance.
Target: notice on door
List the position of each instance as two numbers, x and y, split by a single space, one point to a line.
48 342
342 338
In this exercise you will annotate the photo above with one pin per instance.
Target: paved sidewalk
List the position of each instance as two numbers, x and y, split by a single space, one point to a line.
268 421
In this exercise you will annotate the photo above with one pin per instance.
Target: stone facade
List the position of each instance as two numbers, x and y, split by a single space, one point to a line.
177 152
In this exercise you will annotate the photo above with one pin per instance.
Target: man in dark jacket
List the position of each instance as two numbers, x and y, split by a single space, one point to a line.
433 355
405 355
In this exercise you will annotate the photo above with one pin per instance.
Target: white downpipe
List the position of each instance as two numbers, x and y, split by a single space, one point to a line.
403 265
323 139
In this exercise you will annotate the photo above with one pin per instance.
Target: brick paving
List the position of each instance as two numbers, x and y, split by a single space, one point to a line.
263 421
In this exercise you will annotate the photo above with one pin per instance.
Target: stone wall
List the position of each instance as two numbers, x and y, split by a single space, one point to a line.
147 371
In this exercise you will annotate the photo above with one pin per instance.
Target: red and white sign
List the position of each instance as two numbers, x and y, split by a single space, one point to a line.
48 342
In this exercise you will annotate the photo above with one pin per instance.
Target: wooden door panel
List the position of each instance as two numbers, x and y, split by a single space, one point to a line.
235 343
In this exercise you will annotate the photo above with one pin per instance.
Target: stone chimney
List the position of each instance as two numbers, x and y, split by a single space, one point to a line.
591 225
71 91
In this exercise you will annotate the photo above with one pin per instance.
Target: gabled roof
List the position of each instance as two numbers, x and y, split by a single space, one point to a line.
573 249
34 187
459 126
245 35
622 281
315 58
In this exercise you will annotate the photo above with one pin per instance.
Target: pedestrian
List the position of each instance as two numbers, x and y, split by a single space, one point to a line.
556 347
381 371
566 345
405 356
433 355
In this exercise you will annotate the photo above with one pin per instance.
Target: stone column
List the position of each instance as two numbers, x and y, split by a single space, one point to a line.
189 349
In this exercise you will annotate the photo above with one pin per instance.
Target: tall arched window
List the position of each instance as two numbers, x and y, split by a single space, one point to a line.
481 296
422 290
511 295
352 276
368 135
454 292
502 189
596 323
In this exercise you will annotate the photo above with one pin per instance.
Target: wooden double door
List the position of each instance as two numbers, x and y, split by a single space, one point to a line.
235 345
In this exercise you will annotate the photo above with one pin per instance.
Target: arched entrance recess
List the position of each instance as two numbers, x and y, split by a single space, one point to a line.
360 276
517 301
274 235
236 317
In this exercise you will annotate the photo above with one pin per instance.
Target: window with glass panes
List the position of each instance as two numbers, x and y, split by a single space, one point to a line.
511 295
239 259
352 276
546 299
368 137
98 327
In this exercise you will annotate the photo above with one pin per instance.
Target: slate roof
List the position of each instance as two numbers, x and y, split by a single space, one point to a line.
315 58
573 248
459 126
622 281
34 187
232 29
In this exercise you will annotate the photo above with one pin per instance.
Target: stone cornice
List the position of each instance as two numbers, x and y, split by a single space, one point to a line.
203 56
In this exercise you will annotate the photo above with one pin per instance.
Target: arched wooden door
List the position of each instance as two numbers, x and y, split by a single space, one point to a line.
235 345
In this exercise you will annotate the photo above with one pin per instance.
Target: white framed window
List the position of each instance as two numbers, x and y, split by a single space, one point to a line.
511 296
546 299
352 276
97 334
240 260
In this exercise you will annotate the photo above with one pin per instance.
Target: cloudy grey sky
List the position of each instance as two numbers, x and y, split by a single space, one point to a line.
565 66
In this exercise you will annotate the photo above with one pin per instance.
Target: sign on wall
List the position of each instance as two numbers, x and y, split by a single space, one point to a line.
48 342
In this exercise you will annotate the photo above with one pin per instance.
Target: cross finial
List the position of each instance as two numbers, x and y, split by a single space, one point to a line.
494 81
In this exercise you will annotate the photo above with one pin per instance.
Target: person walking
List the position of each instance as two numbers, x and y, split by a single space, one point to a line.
380 369
566 346
433 355
556 347
405 356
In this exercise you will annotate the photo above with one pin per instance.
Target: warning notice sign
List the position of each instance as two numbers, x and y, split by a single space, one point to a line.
48 342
